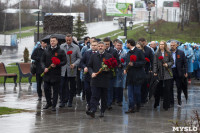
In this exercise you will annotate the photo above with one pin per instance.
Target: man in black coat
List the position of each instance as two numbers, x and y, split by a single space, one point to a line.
99 82
179 70
135 76
148 69
52 76
114 53
36 56
84 66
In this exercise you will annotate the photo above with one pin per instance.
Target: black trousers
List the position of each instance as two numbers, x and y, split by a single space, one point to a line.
71 83
47 90
78 82
178 80
64 90
163 86
97 94
88 91
39 80
144 91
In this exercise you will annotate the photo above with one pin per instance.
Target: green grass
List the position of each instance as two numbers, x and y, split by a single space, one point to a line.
164 31
5 110
14 69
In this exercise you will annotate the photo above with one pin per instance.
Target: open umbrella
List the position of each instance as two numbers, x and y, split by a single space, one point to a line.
61 38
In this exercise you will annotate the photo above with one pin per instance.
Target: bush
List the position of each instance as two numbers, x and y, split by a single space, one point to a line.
26 55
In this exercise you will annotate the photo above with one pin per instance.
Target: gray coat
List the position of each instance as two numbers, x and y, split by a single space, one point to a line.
75 59
158 67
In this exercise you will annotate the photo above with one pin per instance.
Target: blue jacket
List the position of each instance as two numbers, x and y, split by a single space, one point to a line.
189 56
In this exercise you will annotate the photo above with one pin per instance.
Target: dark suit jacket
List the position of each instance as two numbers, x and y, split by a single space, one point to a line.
136 73
181 63
37 54
149 54
84 63
95 63
54 74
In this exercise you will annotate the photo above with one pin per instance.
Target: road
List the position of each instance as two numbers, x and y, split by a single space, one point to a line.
94 29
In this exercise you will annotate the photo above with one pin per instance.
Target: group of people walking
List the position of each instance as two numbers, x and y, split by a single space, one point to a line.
80 66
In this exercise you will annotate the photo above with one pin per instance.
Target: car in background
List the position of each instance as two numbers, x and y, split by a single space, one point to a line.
116 20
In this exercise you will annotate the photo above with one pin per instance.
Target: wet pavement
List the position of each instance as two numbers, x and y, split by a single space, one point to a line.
74 119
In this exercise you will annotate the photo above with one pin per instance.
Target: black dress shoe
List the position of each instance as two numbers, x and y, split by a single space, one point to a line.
109 107
130 111
155 106
47 106
138 108
91 113
39 98
101 114
62 105
53 109
83 97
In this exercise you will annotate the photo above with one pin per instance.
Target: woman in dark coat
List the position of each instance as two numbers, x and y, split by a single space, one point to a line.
162 69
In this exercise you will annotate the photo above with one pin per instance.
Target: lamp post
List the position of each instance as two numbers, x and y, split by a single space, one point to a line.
38 23
124 26
148 30
20 20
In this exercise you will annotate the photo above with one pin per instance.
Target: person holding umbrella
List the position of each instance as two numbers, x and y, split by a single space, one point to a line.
179 70
163 62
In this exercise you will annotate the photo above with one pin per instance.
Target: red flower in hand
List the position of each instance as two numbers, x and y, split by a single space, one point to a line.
122 60
147 59
55 60
133 58
69 52
161 58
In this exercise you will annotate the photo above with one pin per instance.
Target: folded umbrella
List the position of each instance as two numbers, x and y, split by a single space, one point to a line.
185 87
153 85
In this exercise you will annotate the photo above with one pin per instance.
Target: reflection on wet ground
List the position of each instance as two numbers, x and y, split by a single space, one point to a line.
74 119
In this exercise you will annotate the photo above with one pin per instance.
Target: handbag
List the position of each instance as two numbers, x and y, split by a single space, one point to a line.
33 67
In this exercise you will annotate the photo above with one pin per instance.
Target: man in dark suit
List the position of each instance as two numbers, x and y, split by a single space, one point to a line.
114 53
135 76
148 68
99 82
36 56
52 76
84 66
179 70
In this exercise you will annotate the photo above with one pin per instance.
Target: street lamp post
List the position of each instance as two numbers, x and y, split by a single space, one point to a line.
20 20
148 30
38 23
124 26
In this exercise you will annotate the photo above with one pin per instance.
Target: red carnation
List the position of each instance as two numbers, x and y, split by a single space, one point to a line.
147 59
122 60
69 52
161 58
55 60
148 85
133 58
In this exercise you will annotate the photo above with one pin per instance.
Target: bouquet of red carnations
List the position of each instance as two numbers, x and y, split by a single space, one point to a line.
108 65
133 58
55 61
